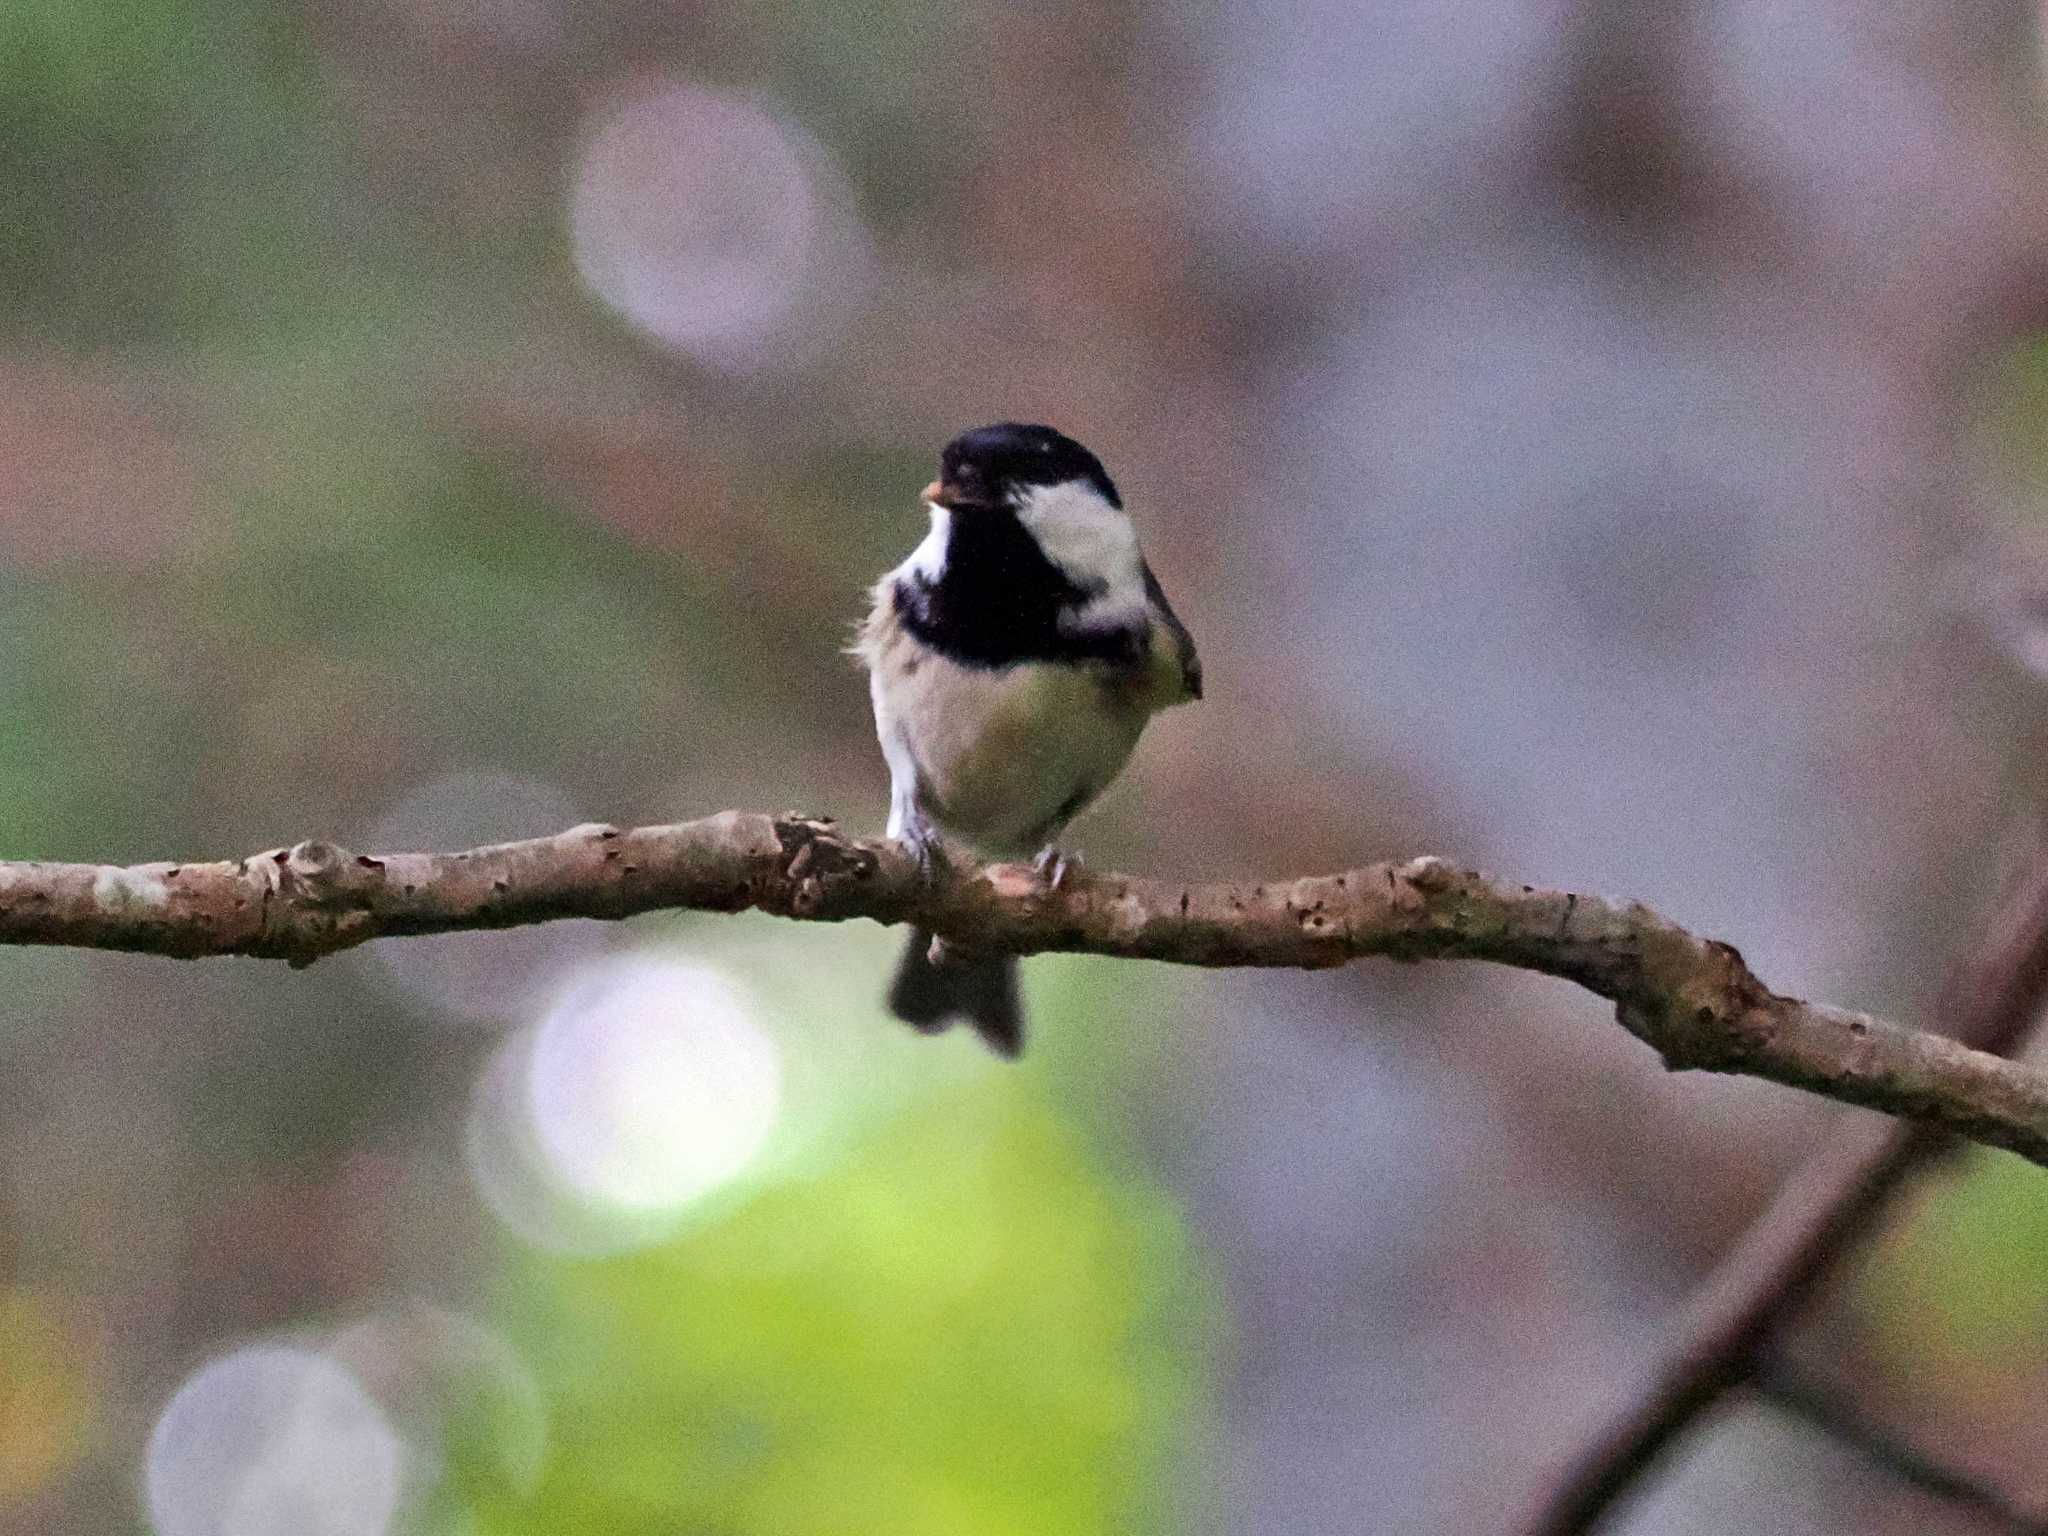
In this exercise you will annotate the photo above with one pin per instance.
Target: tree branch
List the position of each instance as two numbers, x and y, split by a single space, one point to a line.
1835 1412
1691 999
1820 1212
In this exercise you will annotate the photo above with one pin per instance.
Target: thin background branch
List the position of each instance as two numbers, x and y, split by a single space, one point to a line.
1836 1412
1991 1001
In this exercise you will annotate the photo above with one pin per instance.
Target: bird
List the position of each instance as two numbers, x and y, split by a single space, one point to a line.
1013 660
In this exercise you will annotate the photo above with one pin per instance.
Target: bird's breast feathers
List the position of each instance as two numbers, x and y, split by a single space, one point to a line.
1005 755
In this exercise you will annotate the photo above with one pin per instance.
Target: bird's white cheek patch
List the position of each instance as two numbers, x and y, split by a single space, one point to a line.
1088 539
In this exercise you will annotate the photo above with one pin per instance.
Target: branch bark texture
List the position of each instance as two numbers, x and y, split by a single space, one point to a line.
1691 999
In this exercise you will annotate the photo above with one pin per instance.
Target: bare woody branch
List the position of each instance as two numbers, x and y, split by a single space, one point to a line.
1822 1211
1836 1412
1691 999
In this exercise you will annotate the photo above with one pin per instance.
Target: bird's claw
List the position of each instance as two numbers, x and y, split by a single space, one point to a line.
924 849
1054 866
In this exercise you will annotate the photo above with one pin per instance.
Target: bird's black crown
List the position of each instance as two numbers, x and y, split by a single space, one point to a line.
992 463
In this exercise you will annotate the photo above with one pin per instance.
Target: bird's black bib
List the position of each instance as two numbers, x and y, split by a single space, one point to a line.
999 600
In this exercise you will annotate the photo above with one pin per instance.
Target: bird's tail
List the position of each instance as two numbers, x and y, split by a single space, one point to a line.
982 989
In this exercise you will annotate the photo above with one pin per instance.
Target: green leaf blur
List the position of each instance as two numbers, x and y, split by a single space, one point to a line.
964 1326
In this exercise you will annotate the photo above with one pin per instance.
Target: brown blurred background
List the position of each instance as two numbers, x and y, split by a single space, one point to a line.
1585 438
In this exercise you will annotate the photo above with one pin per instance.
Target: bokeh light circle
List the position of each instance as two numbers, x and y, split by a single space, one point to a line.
648 1085
442 1376
272 1438
512 1176
651 1084
706 221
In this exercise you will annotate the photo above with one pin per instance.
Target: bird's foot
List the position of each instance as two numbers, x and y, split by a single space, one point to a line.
923 845
1054 866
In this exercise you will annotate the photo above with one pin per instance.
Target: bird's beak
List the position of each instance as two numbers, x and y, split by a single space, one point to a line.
957 493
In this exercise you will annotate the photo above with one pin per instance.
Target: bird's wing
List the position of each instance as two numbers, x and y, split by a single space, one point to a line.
1184 643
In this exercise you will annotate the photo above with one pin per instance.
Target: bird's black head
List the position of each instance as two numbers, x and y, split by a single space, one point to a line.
994 466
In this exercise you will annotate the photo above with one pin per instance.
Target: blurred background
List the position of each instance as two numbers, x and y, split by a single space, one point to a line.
1585 438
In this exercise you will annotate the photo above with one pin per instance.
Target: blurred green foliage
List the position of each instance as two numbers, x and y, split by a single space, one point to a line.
2009 416
966 1325
157 168
1959 1291
86 712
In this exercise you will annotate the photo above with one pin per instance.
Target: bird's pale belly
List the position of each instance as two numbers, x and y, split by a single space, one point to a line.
1006 757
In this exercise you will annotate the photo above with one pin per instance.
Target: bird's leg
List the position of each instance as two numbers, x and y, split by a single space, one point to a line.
1054 866
909 826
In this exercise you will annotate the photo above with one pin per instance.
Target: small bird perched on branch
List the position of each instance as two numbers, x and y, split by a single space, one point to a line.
1014 659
